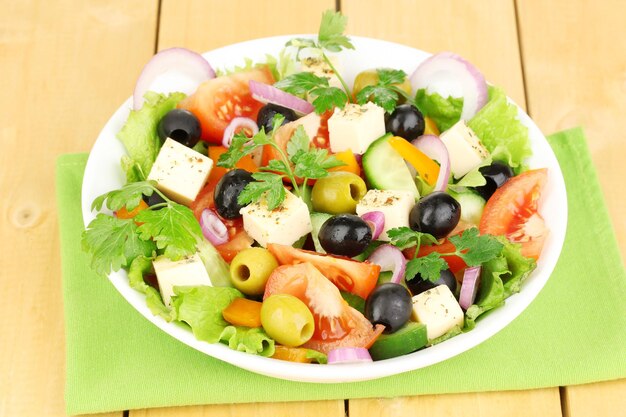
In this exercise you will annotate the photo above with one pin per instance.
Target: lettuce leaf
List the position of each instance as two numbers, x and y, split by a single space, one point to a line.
140 266
501 132
445 111
318 357
216 266
250 340
499 278
139 134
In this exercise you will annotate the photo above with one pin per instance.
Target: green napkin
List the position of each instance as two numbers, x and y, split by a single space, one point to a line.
573 333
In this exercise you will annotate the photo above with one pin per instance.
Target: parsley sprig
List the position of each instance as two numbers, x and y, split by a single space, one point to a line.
299 161
330 38
169 228
385 92
473 248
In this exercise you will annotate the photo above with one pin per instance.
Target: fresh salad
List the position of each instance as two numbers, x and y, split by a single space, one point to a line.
278 210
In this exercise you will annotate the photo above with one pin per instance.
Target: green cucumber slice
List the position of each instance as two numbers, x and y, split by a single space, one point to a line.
472 205
411 337
317 220
385 169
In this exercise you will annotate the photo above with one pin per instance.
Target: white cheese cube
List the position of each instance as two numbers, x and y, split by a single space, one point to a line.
465 150
438 310
284 225
189 271
318 66
355 127
180 172
395 205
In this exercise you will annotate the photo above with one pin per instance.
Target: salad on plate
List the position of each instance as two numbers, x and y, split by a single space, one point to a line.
276 209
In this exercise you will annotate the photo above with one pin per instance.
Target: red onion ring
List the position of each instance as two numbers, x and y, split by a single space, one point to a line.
445 68
389 258
236 123
213 229
376 222
270 94
469 287
348 355
191 63
435 149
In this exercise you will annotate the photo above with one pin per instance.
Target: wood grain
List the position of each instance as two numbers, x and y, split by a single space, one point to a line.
575 69
543 403
477 30
65 66
292 409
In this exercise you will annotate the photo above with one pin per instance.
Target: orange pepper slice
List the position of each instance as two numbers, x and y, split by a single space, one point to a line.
125 214
351 165
243 312
291 354
430 127
426 167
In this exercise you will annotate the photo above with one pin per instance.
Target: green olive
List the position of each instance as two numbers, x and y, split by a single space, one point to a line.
370 77
287 320
337 193
250 270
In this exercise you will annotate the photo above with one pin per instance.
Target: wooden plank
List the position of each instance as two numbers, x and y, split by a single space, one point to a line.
291 409
65 65
543 403
478 31
203 25
484 32
577 77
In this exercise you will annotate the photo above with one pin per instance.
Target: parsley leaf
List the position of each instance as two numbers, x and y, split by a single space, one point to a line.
237 150
113 243
298 143
331 35
325 99
314 164
388 77
429 267
474 249
128 196
276 165
173 228
405 237
299 84
267 185
385 92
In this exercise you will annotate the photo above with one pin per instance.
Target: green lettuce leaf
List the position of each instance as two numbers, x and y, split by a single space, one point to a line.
456 330
499 278
141 266
318 357
501 132
216 266
249 340
201 308
445 111
139 134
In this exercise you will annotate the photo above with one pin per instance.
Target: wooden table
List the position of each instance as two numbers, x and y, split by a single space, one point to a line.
65 65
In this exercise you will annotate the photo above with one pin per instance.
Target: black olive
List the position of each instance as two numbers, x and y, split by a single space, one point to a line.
390 305
227 191
345 234
418 285
180 125
437 214
154 199
405 121
496 174
267 113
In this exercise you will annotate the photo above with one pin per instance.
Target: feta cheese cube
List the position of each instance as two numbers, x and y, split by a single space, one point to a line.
189 271
438 310
355 127
465 150
395 205
284 225
180 172
318 66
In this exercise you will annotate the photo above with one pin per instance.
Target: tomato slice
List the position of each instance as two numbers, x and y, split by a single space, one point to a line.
512 211
347 274
219 100
336 323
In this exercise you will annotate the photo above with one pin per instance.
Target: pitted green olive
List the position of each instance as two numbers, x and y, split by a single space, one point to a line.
287 320
337 193
250 270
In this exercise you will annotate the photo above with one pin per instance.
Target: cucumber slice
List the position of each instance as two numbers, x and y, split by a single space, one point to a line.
472 205
411 337
385 169
317 220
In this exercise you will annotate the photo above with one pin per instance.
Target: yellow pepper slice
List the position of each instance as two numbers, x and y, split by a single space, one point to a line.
425 167
351 165
430 127
243 312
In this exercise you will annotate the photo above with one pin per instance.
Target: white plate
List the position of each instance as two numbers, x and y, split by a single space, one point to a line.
103 173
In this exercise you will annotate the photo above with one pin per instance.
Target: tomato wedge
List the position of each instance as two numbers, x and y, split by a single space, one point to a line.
347 274
219 100
336 323
512 211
